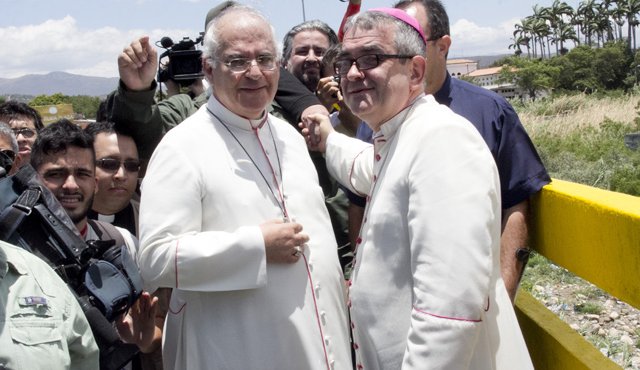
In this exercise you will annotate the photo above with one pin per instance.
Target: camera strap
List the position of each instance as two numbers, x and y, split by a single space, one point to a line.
12 216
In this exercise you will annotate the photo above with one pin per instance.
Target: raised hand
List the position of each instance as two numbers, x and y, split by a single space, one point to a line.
138 326
138 64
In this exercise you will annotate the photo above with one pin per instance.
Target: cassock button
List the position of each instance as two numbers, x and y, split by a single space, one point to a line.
360 367
332 364
323 316
327 340
356 346
378 157
375 177
317 289
359 240
349 305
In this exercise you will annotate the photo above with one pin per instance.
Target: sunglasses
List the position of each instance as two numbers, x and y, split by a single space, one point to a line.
113 165
26 132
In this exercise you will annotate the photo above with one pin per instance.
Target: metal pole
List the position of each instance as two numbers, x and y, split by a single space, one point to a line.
304 16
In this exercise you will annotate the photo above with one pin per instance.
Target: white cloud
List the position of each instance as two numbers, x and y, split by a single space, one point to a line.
60 45
470 39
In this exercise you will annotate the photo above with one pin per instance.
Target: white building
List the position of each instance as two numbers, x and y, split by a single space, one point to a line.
490 79
461 67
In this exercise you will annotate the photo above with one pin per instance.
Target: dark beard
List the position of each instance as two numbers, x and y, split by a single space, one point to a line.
83 214
310 82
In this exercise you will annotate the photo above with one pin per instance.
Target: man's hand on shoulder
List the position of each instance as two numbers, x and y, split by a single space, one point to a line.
138 64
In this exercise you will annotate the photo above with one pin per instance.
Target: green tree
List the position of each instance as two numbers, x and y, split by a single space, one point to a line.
531 75
576 70
56 98
3 99
87 106
611 65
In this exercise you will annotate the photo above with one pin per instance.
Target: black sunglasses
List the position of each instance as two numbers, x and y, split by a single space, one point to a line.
364 62
26 132
113 165
9 153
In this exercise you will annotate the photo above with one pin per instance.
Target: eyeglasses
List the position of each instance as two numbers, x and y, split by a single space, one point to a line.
113 165
9 153
364 62
241 65
26 132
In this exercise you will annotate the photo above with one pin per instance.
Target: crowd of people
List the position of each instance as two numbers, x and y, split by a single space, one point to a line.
342 203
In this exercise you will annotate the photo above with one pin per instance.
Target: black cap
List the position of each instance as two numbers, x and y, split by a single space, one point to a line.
215 11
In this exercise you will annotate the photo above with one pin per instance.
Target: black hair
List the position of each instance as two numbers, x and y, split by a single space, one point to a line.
313 25
95 128
56 138
437 18
11 110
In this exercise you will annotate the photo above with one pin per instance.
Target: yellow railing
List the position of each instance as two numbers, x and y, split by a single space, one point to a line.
595 234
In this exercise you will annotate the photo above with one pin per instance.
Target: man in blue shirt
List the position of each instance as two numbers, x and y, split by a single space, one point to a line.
522 173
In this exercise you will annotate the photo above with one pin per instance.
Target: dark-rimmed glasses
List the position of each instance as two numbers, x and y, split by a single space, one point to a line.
364 62
25 131
241 65
9 153
113 165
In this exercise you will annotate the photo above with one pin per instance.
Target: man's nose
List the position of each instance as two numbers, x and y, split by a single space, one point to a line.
70 183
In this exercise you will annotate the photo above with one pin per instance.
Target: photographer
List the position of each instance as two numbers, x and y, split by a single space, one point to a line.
133 108
59 339
64 158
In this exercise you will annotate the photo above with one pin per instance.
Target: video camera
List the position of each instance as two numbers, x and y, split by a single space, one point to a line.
184 65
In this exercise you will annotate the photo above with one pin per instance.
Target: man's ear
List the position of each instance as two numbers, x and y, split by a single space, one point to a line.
207 69
418 70
443 44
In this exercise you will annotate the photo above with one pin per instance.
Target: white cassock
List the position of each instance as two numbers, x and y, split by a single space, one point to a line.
210 183
426 291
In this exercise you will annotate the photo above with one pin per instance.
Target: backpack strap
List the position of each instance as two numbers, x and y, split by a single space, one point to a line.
106 231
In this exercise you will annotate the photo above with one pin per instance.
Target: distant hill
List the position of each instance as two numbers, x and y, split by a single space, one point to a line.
58 82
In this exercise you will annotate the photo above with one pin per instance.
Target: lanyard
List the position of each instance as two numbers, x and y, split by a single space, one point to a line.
277 196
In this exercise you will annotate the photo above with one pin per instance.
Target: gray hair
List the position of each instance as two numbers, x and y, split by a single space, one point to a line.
313 25
407 40
5 131
212 43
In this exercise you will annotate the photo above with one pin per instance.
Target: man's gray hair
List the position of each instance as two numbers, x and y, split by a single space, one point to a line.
5 131
212 43
407 40
313 25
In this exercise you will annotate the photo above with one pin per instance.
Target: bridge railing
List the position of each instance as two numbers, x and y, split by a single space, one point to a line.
595 234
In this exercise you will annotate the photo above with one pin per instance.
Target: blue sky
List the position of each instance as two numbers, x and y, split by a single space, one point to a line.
85 37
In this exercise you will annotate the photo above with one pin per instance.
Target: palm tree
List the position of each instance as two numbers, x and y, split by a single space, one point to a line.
557 15
540 28
565 33
521 37
585 14
618 16
630 8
